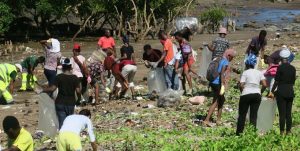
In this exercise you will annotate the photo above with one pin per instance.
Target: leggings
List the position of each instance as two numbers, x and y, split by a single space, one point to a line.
285 112
246 101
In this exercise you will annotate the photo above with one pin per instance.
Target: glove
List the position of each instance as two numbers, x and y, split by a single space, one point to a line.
107 90
263 63
222 91
89 79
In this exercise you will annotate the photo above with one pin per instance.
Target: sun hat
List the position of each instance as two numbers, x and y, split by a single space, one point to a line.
223 30
285 53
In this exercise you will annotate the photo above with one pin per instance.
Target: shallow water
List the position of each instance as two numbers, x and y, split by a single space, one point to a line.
266 16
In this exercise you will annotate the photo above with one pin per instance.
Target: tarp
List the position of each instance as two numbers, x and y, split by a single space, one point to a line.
48 122
156 80
206 57
266 115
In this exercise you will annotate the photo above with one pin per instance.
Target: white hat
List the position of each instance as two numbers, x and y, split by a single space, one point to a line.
19 66
285 53
284 46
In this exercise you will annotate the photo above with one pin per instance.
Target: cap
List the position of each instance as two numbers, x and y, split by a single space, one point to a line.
285 53
76 47
66 62
223 30
19 66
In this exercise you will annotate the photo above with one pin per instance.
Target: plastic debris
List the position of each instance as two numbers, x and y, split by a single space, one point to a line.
169 98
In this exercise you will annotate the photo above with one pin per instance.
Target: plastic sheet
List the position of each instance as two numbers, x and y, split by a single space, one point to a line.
169 98
48 122
206 57
96 56
191 22
266 115
156 80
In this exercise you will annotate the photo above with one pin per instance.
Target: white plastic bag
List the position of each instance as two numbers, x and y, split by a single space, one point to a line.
48 121
206 57
191 22
156 80
266 115
96 56
169 98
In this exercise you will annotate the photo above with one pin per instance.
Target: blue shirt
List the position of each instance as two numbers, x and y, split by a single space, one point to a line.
223 62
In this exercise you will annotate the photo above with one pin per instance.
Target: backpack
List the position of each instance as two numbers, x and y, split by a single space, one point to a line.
212 70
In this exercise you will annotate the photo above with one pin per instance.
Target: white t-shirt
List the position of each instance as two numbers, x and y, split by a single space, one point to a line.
76 69
252 79
76 124
177 56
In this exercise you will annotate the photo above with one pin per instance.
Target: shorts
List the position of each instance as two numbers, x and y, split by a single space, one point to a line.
128 72
189 63
217 97
68 141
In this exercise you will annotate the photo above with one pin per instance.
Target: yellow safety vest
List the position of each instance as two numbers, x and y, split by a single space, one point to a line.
5 71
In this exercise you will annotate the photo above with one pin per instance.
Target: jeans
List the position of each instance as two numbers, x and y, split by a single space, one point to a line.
50 75
285 112
246 101
62 111
172 80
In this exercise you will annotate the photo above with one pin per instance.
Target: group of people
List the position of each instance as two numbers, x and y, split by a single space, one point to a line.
176 60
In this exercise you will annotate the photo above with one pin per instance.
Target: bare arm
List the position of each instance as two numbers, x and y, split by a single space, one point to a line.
211 48
162 57
12 86
264 83
50 89
133 57
222 76
94 146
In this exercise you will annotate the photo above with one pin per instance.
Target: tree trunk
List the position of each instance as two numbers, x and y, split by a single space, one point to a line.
81 27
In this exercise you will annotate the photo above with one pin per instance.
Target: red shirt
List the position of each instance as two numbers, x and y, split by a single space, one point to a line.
105 42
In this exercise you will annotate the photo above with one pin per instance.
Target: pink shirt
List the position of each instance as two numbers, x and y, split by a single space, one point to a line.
76 69
51 59
105 42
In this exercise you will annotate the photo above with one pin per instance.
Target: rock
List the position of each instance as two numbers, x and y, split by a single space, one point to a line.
251 24
197 100
292 27
271 28
297 19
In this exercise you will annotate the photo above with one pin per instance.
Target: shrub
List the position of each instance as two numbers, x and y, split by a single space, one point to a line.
212 17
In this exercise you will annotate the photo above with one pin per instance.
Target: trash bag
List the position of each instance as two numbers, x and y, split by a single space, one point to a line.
156 80
48 121
96 56
266 115
191 22
206 57
169 98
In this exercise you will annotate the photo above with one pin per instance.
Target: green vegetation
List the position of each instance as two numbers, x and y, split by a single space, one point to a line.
6 17
212 18
76 16
174 129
